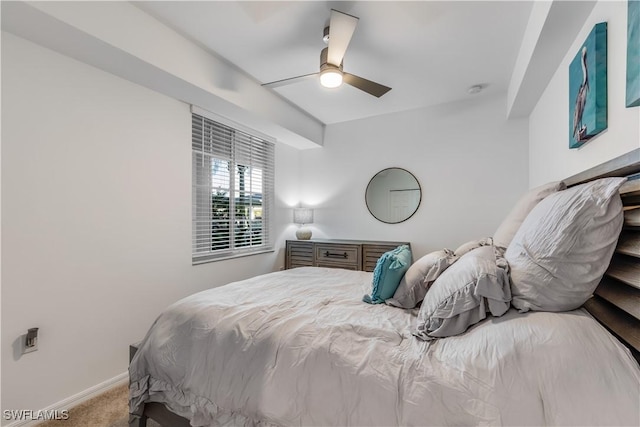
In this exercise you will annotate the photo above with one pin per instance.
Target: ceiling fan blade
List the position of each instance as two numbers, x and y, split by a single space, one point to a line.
372 88
341 28
290 80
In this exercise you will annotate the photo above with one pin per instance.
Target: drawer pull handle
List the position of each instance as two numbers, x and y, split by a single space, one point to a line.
328 254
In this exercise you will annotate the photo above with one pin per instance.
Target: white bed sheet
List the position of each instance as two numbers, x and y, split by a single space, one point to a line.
299 347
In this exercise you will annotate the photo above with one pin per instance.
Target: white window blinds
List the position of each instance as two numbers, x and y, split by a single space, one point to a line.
232 191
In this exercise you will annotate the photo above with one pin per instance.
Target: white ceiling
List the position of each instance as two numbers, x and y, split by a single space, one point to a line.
429 52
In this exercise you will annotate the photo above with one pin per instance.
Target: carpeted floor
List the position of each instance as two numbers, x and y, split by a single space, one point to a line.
109 409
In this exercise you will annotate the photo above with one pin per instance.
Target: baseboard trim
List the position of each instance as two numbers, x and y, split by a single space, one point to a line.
77 399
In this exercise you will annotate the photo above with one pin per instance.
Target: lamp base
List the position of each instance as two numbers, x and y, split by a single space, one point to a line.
303 234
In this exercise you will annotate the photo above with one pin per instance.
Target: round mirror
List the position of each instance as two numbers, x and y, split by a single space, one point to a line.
393 195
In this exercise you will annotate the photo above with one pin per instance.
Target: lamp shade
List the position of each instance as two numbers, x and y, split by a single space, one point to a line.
303 216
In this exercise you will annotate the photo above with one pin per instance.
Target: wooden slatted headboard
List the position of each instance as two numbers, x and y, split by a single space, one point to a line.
616 302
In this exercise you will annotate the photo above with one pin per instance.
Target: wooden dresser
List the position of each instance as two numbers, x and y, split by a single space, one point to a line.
350 254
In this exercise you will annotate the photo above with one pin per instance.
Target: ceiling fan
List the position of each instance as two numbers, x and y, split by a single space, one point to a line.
337 36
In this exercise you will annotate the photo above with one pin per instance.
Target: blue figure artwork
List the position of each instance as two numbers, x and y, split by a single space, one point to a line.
633 53
588 88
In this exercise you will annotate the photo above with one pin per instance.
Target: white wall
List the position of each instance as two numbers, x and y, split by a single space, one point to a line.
470 161
96 220
549 155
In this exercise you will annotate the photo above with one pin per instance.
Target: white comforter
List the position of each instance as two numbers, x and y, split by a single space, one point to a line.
299 347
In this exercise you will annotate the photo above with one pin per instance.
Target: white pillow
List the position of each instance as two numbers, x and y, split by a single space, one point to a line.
471 245
511 223
418 278
478 282
564 246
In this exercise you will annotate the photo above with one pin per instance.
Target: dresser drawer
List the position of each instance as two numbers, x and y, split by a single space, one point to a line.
371 253
299 254
341 256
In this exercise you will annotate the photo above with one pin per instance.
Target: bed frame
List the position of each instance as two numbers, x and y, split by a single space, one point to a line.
616 301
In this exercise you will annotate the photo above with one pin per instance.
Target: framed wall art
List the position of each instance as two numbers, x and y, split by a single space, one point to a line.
633 53
588 88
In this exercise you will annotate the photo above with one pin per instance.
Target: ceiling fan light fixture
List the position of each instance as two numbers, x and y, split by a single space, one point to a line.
331 78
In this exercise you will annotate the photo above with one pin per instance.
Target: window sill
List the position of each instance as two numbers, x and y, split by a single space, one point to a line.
226 257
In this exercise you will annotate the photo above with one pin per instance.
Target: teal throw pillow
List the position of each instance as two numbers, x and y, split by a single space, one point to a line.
387 275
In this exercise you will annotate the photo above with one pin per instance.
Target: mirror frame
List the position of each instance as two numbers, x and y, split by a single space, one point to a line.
374 177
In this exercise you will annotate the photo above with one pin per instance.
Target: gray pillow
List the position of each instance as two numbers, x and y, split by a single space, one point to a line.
471 245
564 246
510 225
418 278
478 282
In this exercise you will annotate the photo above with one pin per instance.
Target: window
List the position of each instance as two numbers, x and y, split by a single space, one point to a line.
232 189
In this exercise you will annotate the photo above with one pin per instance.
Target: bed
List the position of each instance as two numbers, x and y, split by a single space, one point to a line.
299 347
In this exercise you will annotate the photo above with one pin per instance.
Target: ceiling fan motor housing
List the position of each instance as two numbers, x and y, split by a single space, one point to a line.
323 61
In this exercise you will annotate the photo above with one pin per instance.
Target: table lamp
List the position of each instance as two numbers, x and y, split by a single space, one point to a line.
303 216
